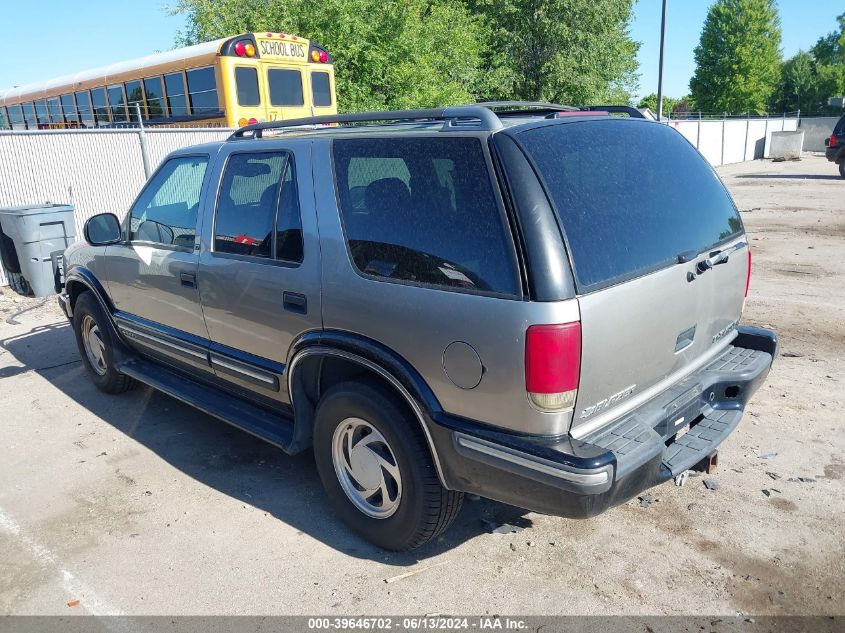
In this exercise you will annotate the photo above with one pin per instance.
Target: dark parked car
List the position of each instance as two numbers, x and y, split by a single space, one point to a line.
835 145
485 299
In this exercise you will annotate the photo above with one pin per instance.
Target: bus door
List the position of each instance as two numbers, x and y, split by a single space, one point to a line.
288 96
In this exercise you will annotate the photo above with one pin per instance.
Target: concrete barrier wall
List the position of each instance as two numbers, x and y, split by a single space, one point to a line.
816 130
723 142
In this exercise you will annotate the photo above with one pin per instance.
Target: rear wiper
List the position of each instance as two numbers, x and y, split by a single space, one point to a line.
719 257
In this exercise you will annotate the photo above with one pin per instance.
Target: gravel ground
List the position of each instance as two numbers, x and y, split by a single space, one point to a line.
137 504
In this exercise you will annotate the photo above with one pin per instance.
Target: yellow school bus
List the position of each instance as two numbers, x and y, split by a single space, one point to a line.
229 82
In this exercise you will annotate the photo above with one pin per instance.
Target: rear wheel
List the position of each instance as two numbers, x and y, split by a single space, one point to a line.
842 169
376 468
96 346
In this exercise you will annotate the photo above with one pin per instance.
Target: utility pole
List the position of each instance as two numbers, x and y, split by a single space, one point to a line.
660 70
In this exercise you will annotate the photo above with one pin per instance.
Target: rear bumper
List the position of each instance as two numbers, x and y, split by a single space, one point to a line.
835 154
581 478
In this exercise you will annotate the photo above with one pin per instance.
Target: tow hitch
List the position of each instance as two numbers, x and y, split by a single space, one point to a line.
708 464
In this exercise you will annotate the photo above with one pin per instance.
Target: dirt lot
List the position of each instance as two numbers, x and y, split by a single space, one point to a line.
137 504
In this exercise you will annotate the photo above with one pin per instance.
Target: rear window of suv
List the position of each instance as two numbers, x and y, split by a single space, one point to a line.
630 196
424 211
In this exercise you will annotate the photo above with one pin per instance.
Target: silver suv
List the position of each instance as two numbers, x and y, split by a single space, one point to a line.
537 304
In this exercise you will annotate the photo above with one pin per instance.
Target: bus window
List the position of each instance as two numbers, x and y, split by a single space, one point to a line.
4 120
321 90
246 79
83 104
29 116
174 83
16 119
117 103
41 113
101 109
285 87
134 95
54 107
69 106
202 90
155 97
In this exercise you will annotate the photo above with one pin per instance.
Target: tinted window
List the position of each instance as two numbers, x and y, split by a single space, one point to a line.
101 110
202 88
117 103
54 108
69 106
134 95
630 196
177 102
155 97
166 211
29 116
246 205
86 113
246 80
16 119
4 121
288 219
424 210
41 112
840 126
321 89
285 87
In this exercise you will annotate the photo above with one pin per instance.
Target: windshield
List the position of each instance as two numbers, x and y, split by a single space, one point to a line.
630 196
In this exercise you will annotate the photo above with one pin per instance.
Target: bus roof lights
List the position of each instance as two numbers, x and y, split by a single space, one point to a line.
315 56
250 50
324 57
240 49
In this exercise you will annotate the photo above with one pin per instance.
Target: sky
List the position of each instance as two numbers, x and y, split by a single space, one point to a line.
71 39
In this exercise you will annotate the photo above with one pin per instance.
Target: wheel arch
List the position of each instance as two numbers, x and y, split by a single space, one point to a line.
322 360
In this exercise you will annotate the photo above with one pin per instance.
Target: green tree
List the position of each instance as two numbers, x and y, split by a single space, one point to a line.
565 51
830 49
738 60
799 84
414 53
650 102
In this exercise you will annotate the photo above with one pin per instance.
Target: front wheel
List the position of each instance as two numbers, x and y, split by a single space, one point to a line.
377 470
96 347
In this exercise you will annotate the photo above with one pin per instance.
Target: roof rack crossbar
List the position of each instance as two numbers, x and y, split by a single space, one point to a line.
453 117
630 111
526 105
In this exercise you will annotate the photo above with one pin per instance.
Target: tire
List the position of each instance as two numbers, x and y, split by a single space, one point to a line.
418 508
842 169
96 345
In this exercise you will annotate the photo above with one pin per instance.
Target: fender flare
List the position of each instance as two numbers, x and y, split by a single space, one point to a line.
384 362
84 276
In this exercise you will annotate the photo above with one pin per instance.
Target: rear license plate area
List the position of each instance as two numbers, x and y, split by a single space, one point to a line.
681 414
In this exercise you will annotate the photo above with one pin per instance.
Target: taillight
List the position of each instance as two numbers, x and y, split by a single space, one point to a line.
553 365
748 273
832 142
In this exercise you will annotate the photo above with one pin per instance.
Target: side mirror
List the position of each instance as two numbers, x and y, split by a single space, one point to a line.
102 230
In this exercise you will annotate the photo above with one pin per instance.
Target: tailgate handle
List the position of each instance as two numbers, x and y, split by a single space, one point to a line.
685 339
718 257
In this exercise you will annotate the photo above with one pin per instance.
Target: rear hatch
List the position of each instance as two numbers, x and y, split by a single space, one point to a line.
641 213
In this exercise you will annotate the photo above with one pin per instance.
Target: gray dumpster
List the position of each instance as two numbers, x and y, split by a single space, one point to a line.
32 239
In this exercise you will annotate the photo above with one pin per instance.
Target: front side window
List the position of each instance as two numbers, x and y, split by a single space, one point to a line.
202 89
101 107
321 89
83 104
117 103
177 100
256 208
246 80
424 211
166 211
285 87
155 98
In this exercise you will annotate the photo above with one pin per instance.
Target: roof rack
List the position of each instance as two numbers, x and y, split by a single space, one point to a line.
527 105
629 110
453 117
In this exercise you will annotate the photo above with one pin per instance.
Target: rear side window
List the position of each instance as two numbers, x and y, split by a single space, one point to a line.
424 211
321 89
840 126
258 208
630 197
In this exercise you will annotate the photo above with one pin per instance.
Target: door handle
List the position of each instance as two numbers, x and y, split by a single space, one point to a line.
295 302
189 280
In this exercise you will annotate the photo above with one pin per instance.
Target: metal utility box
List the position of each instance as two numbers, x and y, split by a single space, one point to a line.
32 238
